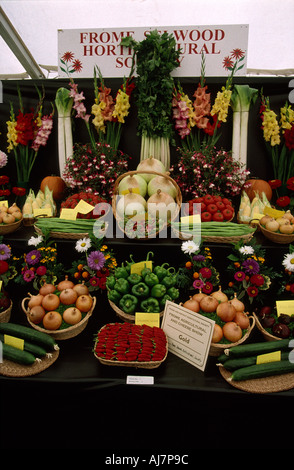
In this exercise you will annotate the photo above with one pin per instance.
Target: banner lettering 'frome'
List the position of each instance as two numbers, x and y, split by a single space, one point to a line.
80 50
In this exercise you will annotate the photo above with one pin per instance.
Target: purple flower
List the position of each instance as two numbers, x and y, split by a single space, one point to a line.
250 266
5 251
198 284
198 258
33 257
239 276
96 260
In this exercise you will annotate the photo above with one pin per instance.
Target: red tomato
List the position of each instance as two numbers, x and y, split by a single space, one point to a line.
212 208
217 198
220 205
227 201
206 216
197 199
208 199
218 217
227 214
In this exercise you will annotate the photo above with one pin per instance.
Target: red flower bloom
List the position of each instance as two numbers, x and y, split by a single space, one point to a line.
252 291
77 65
207 288
25 128
283 201
18 191
205 272
228 63
289 138
290 183
275 183
4 179
257 280
4 266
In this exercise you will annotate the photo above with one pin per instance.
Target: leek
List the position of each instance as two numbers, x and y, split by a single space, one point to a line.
64 104
241 99
156 147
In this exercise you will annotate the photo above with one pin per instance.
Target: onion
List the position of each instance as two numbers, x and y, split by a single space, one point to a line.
65 284
163 183
232 331
36 314
242 319
35 300
287 228
84 303
131 204
68 296
134 182
151 164
200 295
217 333
265 219
288 215
81 288
208 304
272 225
192 304
282 220
239 306
220 295
72 315
46 289
50 301
52 320
226 311
161 203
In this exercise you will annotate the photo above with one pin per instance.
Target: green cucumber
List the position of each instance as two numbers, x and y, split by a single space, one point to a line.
254 349
238 362
17 355
35 349
262 370
29 334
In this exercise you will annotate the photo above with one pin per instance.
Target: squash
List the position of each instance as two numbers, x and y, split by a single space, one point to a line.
259 186
56 184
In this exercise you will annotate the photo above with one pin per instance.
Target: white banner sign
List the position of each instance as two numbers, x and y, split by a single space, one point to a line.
80 50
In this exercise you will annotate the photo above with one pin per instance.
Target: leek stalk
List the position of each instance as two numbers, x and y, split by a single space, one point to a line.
156 147
64 104
241 99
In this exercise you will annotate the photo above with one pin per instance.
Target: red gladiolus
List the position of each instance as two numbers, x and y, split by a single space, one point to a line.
25 128
289 138
283 201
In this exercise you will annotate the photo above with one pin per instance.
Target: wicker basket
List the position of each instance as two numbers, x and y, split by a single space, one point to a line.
120 220
5 315
267 336
122 315
64 333
136 364
212 239
281 238
9 228
217 349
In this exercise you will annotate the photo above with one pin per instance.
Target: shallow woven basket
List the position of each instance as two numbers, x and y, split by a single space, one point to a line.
267 336
281 238
63 235
122 315
9 228
5 315
189 236
137 364
217 349
64 333
178 198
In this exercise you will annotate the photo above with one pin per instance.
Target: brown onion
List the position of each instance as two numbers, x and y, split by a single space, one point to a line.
81 288
52 320
242 319
65 284
219 295
35 300
68 296
84 303
50 302
217 334
36 314
192 304
200 295
47 289
72 315
232 331
239 306
208 304
226 311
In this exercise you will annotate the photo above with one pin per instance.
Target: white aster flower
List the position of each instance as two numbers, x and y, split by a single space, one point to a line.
83 244
35 241
288 262
189 247
247 250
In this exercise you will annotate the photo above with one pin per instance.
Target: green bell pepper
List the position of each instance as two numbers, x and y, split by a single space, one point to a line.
114 296
121 272
161 271
110 281
173 292
128 303
164 299
145 271
151 279
150 305
122 285
158 290
169 281
134 278
140 290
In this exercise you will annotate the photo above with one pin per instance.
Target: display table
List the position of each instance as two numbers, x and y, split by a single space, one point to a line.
80 403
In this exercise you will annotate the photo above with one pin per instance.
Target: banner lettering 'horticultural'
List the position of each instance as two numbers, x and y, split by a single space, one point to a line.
102 47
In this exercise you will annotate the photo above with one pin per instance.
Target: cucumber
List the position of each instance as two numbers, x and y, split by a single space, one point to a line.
262 370
255 349
29 334
238 362
35 349
17 355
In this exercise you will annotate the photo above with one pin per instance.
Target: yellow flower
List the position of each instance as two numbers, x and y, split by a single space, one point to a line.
98 120
122 106
271 130
287 117
221 104
11 135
